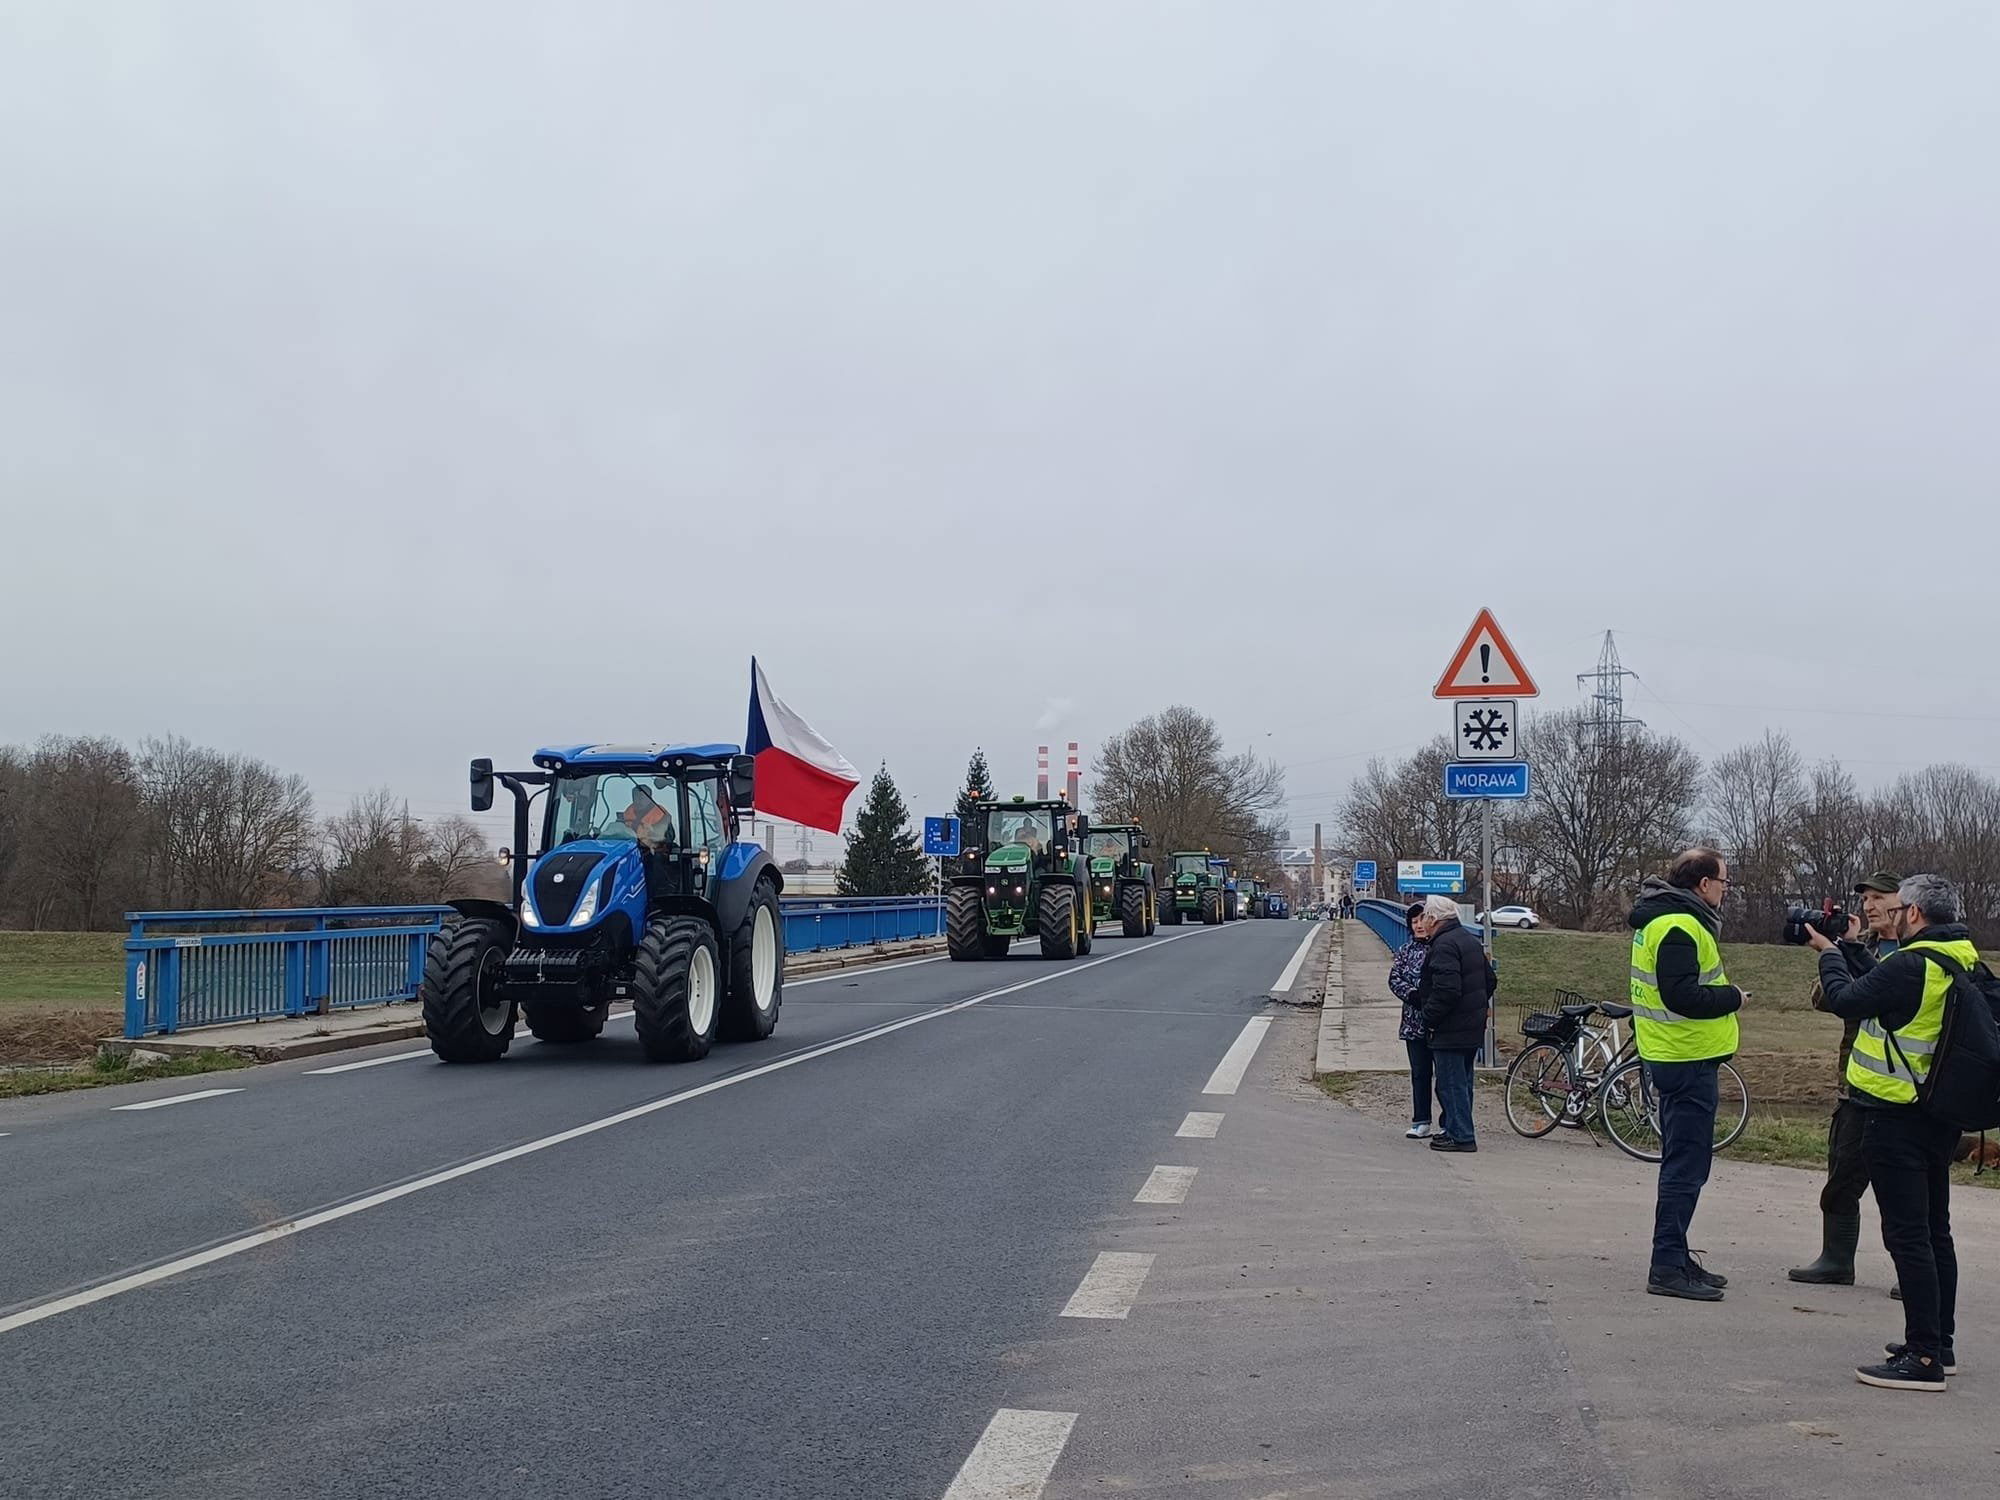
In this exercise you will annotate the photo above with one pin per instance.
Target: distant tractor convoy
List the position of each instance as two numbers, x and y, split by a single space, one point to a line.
641 894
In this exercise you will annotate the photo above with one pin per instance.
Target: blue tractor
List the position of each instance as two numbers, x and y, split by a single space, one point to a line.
641 896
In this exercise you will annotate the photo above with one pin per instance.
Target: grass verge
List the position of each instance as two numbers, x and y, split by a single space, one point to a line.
102 1071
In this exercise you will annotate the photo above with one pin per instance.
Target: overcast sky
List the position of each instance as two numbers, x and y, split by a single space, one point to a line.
382 385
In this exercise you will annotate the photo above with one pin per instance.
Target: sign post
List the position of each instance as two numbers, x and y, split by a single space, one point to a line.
1483 680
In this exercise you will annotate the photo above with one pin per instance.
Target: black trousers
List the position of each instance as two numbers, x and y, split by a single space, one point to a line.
1846 1165
1909 1166
1687 1093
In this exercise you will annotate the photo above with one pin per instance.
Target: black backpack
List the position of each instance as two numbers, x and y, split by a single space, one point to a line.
1962 1087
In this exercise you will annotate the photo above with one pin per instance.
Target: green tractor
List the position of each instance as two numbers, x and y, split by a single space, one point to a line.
1121 879
1197 893
1034 880
1256 897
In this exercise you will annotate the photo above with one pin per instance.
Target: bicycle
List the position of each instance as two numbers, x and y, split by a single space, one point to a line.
1575 1069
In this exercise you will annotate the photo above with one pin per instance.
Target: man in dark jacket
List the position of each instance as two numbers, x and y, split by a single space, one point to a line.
1456 988
1900 1004
1684 1022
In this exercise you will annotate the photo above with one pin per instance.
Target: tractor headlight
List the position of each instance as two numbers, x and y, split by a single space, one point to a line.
528 917
586 909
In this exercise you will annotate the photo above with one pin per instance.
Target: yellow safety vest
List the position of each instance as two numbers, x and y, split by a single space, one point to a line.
1875 1067
1662 1035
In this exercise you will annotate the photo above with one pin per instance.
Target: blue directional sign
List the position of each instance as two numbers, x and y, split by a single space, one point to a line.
1364 872
941 838
1499 780
1430 877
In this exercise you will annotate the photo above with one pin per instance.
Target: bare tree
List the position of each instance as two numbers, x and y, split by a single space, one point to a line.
372 853
1401 812
1170 772
1754 796
82 826
1830 832
227 830
1946 818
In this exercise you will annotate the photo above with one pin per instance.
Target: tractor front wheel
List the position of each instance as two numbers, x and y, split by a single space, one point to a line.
756 970
566 1023
965 924
1211 908
1056 921
1152 913
678 989
464 1016
1086 921
1132 910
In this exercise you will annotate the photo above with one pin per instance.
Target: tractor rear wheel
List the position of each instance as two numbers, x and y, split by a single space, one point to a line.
756 970
1056 921
1086 921
1211 907
1132 910
566 1023
965 924
677 984
464 1016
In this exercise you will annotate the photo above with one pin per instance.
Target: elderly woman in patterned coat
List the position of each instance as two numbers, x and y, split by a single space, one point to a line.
1406 969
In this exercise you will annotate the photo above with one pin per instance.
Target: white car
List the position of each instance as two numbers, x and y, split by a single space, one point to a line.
1515 916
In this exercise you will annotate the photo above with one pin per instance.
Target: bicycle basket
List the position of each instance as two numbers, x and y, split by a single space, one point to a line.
1544 1027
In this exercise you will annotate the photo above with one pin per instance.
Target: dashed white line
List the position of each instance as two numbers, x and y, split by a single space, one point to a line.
135 1280
1199 1126
1014 1456
1235 1062
177 1099
1298 959
1110 1286
1167 1185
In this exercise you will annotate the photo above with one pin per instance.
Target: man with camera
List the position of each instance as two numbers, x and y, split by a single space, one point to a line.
1900 1004
1684 1021
1863 942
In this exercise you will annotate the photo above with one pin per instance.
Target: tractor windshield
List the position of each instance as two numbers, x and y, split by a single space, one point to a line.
617 805
1107 846
1029 827
1190 864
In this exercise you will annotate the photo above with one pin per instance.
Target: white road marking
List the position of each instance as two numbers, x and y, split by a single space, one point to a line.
1236 1061
1014 1456
1199 1126
133 1281
1167 1185
1292 969
1110 1286
373 1062
178 1099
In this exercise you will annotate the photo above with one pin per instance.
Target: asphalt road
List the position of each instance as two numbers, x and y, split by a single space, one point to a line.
803 1280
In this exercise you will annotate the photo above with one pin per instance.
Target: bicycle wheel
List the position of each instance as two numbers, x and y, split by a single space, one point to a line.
1631 1111
1732 1106
1538 1088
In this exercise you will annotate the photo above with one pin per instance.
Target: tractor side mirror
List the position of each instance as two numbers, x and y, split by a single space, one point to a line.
742 782
482 785
1082 828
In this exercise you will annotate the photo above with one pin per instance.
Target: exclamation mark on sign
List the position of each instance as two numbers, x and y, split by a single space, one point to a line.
1485 663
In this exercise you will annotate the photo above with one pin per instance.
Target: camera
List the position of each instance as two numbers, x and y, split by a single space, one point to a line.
1830 921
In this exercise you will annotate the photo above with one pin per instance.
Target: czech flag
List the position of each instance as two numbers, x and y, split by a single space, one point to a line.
800 776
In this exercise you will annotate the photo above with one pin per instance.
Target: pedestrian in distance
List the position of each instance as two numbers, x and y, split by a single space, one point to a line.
1871 937
1684 1021
1900 1004
1406 971
1453 993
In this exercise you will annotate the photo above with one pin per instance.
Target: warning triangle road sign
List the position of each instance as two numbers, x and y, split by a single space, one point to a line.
1485 666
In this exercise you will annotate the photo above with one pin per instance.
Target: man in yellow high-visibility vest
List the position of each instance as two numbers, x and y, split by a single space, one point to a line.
1684 1021
1900 1004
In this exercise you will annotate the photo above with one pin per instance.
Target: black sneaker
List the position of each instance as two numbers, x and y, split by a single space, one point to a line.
1680 1281
1949 1360
1446 1143
1906 1372
1705 1276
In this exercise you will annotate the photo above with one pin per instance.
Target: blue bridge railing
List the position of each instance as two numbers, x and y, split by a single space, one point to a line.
1386 920
209 968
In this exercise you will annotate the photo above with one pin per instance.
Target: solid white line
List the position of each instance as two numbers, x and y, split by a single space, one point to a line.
1292 969
1199 1126
178 1099
1110 1286
1236 1061
1014 1456
1167 1185
133 1281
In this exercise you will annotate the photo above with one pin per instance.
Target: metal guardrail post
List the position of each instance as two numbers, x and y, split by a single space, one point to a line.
135 985
319 971
168 1005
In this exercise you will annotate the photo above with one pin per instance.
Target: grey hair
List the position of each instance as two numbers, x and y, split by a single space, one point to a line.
1937 898
1438 908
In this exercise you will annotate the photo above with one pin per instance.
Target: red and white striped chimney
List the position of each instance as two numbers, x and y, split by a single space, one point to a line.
1074 780
1041 773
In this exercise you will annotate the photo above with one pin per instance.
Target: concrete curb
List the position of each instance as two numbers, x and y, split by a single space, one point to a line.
399 1023
1334 990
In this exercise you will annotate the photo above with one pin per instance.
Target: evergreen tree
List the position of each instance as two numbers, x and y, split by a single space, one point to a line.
972 800
884 857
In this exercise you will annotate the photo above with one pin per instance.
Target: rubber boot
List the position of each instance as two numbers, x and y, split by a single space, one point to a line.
1841 1235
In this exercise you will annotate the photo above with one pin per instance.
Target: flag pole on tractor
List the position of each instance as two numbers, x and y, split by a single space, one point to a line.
799 775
